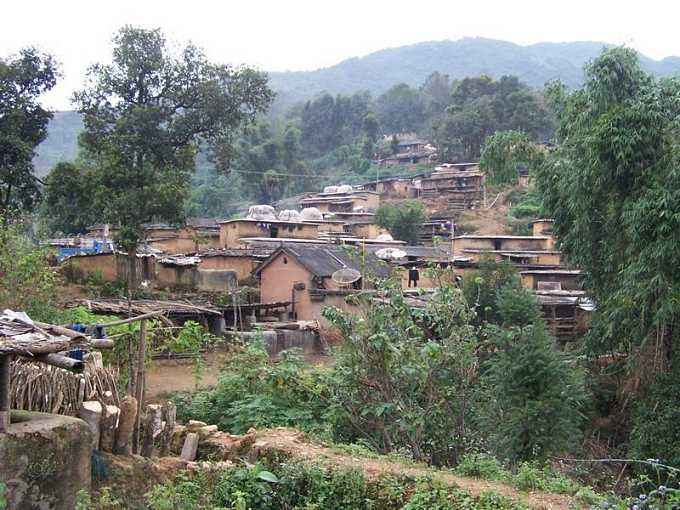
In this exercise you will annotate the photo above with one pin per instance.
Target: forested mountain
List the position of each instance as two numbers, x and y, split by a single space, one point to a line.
534 65
412 65
61 142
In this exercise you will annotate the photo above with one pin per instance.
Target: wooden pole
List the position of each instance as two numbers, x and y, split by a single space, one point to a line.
139 388
4 392
132 319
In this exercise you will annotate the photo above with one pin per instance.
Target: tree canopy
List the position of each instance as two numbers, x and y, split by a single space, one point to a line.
147 113
612 187
23 124
404 220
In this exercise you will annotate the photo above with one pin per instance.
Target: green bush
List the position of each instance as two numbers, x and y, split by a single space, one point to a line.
482 465
656 419
404 220
533 396
309 487
252 392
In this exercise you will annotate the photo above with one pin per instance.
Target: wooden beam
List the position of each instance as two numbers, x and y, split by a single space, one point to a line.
57 360
149 315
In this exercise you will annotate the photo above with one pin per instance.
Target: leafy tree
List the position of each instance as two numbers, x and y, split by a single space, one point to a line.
612 188
404 220
327 123
67 202
145 115
27 282
481 288
481 106
271 162
655 434
504 152
400 109
23 124
535 396
403 378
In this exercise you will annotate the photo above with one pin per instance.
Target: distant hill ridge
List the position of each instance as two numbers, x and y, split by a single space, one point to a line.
534 64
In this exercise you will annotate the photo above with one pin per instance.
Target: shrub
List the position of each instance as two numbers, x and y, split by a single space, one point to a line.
482 465
533 396
27 282
656 416
403 377
481 287
404 220
252 392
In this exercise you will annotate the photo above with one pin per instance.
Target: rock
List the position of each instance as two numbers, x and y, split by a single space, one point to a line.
195 424
190 447
207 431
45 460
178 436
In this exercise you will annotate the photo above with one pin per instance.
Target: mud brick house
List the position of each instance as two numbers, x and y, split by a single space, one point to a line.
349 201
551 279
302 273
243 262
232 232
461 185
542 227
392 187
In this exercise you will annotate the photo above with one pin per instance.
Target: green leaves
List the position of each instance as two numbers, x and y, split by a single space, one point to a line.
403 220
145 115
23 124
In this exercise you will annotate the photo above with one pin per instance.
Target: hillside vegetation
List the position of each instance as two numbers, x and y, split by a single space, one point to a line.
534 65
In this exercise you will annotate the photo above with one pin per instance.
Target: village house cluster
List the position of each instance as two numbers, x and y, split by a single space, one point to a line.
329 246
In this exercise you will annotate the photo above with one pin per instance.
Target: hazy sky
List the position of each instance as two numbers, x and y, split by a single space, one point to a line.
306 34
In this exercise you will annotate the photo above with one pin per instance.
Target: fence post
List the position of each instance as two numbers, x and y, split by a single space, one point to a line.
4 392
139 388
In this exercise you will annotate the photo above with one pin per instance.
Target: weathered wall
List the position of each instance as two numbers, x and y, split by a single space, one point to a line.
242 265
277 280
90 264
232 232
45 461
367 230
176 276
216 280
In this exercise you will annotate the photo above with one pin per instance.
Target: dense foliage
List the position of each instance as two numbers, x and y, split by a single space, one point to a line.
291 485
145 116
481 106
23 124
403 220
27 282
505 152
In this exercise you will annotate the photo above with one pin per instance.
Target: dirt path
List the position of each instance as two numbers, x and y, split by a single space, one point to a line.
294 443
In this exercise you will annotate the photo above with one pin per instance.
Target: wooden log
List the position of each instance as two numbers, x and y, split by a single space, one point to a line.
59 361
126 425
4 393
91 413
142 317
102 343
109 425
152 429
190 447
170 419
